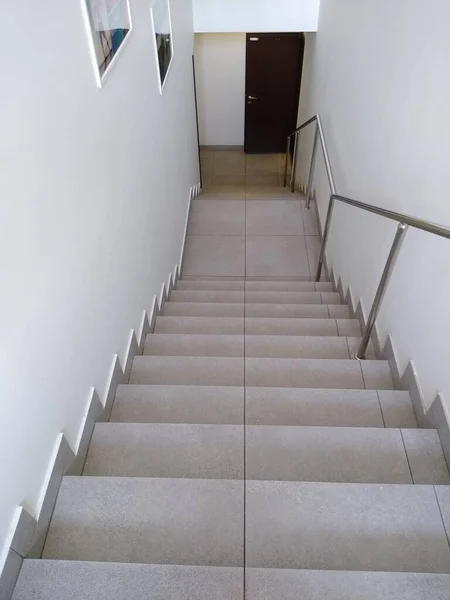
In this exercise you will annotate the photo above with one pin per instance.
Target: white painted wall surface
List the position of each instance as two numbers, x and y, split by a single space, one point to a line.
378 79
91 217
255 15
220 76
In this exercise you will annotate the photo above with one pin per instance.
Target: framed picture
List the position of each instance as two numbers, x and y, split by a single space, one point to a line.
108 24
163 38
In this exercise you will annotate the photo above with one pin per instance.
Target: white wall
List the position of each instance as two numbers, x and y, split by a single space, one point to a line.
378 78
220 76
255 15
92 217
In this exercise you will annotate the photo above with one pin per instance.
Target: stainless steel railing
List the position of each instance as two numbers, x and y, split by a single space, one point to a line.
404 222
318 135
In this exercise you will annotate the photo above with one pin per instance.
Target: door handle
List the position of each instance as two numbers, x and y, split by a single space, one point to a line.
252 98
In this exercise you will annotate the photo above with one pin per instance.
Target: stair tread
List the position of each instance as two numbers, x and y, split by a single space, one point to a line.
284 584
262 372
256 325
294 453
255 310
345 526
258 297
286 286
372 527
59 580
148 520
178 404
264 406
328 407
276 346
56 580
166 450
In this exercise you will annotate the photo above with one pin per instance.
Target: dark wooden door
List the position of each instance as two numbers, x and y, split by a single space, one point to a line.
272 88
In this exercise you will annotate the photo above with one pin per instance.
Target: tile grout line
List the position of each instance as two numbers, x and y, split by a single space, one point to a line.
442 517
244 591
407 457
381 409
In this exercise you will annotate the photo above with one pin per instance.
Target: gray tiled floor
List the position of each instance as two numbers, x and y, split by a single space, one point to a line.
243 196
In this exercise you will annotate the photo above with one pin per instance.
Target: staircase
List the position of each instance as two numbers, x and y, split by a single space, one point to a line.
250 456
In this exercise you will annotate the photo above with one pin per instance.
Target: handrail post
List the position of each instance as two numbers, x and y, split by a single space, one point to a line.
326 231
294 163
384 281
311 169
288 150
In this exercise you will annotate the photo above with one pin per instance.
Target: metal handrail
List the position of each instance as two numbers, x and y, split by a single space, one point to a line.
319 135
404 222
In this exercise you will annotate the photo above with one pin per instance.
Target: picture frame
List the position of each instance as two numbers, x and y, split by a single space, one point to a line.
108 26
161 22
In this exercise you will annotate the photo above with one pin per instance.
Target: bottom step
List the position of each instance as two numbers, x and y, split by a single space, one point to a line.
59 580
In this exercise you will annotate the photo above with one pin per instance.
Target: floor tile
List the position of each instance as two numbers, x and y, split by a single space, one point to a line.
425 456
234 179
335 454
215 255
312 407
284 584
166 450
229 162
57 580
222 217
443 496
274 217
178 404
377 374
276 256
148 520
342 526
397 409
291 346
258 192
303 373
313 249
223 192
263 180
309 220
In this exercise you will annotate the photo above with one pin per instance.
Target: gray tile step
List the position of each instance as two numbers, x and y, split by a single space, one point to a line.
286 286
187 370
292 297
178 404
269 297
179 344
258 346
299 327
257 326
328 407
204 309
224 309
345 526
146 520
166 450
61 580
284 584
318 373
205 324
342 454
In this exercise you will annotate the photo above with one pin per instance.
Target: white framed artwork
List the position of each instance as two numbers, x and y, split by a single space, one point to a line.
108 24
163 39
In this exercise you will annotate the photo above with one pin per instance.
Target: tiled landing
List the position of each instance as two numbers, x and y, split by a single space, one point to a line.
246 224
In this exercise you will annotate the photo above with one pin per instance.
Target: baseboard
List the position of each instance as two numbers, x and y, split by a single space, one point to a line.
195 192
27 534
225 147
440 415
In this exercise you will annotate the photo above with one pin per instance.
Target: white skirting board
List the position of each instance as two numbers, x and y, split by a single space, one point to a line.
27 534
